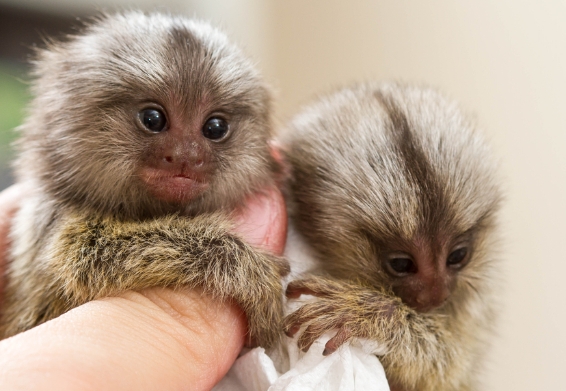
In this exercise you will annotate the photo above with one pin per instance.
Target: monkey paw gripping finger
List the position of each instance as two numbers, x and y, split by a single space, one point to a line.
317 318
264 322
172 251
265 316
353 311
260 296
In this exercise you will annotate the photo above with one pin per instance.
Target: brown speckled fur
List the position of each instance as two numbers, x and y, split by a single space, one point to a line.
90 228
375 166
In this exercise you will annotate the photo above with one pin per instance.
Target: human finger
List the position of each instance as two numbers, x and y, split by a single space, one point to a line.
158 339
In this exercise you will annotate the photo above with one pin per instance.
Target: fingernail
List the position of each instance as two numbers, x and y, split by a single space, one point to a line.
292 331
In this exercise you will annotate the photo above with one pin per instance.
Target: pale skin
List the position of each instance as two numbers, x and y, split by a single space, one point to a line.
156 339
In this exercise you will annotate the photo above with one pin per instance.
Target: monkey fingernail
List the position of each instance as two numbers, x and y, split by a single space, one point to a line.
292 331
338 340
327 351
306 347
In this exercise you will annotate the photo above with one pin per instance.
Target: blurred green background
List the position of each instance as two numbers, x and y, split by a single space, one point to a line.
13 98
22 27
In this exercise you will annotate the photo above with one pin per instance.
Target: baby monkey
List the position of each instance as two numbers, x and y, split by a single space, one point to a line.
396 192
144 132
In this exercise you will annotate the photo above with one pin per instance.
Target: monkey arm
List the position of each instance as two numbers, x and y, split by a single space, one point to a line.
419 350
89 259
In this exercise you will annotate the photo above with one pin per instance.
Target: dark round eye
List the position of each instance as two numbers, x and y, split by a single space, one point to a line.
402 265
153 120
215 128
457 257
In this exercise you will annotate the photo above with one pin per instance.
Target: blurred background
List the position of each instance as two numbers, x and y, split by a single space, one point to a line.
505 62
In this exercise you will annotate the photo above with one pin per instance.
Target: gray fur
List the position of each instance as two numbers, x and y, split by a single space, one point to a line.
91 227
80 128
385 167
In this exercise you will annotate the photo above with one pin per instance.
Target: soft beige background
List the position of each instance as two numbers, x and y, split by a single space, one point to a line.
503 60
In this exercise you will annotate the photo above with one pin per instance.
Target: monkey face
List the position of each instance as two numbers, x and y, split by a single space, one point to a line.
393 187
425 274
179 162
146 115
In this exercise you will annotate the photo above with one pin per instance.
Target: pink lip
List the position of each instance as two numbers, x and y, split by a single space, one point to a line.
176 188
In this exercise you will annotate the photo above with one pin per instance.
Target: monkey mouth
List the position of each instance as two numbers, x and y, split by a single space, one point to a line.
177 188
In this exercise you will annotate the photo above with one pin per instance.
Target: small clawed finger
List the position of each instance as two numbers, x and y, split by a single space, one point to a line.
315 287
315 330
338 340
307 313
290 331
292 323
294 292
308 337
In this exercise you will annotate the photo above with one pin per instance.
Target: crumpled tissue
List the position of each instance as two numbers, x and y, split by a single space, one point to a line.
353 367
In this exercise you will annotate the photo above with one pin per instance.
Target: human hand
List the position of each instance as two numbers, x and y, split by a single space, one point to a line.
155 339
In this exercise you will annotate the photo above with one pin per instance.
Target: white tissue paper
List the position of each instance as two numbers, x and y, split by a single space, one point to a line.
353 367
